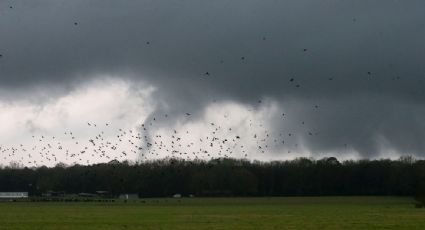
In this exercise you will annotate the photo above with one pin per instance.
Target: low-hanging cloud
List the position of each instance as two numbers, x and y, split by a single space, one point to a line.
60 130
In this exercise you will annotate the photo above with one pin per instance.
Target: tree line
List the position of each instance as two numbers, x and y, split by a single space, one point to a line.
225 177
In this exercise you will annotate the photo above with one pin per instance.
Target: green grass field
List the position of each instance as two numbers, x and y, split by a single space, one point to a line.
218 213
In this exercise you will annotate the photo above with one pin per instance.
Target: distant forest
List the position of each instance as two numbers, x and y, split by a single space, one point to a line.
225 177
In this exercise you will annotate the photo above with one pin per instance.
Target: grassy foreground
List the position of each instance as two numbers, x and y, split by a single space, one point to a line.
219 213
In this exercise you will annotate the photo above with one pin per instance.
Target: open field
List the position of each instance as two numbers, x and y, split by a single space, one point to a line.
218 213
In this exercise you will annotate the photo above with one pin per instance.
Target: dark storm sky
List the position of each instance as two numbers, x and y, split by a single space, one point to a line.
357 66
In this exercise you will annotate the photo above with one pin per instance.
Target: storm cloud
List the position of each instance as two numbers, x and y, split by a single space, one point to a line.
347 75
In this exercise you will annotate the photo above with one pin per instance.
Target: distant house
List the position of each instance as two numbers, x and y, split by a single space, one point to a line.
13 195
104 194
51 193
129 196
177 195
83 194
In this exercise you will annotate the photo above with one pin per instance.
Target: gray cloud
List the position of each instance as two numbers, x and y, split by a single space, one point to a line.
362 65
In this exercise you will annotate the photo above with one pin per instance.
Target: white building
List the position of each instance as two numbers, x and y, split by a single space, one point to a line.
177 195
13 195
129 196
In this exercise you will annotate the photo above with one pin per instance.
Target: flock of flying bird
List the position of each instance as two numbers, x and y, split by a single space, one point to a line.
146 142
220 141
